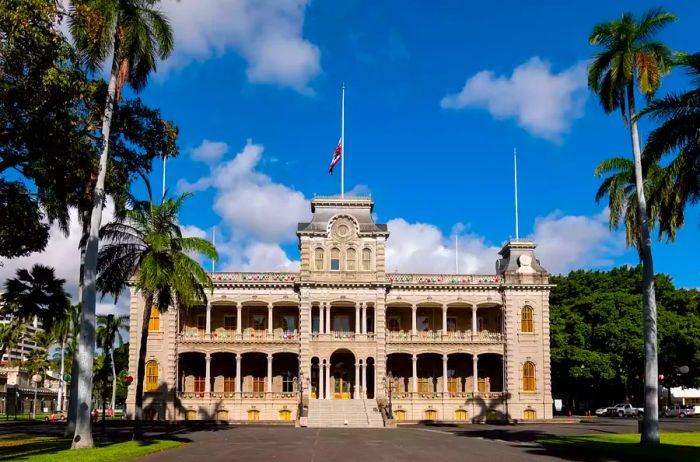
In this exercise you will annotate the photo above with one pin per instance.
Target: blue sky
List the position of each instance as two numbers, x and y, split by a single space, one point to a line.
438 95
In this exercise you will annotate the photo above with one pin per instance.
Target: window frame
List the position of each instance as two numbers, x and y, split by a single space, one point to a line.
319 259
529 373
154 321
351 259
367 262
335 262
527 320
152 379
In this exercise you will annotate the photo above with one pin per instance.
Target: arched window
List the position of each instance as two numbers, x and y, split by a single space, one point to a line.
319 259
335 259
529 414
351 254
151 376
461 415
154 320
285 414
526 319
529 376
400 415
253 414
366 259
430 414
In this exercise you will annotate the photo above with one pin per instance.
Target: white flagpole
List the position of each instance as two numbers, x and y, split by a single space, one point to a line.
342 143
515 175
213 242
456 253
164 160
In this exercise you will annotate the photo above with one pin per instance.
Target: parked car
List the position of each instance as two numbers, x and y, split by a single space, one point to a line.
58 415
679 410
601 411
625 410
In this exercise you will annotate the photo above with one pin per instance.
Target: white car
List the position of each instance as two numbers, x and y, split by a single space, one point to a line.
601 411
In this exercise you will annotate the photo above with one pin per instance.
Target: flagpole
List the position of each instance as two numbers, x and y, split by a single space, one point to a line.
213 242
515 179
164 160
342 143
456 253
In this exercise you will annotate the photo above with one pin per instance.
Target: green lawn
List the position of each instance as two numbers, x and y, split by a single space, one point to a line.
625 446
46 449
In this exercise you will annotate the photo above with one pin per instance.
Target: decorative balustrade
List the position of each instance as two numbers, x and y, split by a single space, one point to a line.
439 337
449 395
255 278
189 334
277 395
342 336
443 279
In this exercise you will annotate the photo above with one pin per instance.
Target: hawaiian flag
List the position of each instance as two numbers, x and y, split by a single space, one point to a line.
337 154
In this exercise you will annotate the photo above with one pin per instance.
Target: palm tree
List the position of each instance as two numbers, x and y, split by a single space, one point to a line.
136 34
36 294
147 248
11 335
62 331
630 55
72 351
38 360
679 133
109 330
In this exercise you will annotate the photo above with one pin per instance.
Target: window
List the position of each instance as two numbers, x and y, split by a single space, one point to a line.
287 383
335 259
199 384
222 414
285 414
201 323
253 414
288 322
229 322
451 324
151 376
453 385
191 414
529 376
424 386
481 385
154 320
526 319
400 415
393 323
229 384
366 259
461 415
351 259
529 414
430 414
423 323
258 384
319 259
259 322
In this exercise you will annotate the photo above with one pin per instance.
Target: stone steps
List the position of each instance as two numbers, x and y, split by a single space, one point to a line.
344 413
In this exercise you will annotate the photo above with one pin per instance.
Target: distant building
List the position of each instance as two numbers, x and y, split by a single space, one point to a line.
26 346
344 337
17 391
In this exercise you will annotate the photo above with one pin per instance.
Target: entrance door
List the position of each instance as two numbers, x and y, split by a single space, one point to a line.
341 388
341 326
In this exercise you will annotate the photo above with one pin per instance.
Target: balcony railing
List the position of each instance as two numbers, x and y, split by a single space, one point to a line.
279 395
449 395
438 337
248 335
342 336
443 279
255 278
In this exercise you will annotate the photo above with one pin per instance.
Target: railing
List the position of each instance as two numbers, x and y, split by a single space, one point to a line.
439 337
256 278
277 336
443 279
236 395
448 395
342 336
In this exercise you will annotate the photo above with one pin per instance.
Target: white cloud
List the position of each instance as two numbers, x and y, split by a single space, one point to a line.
568 242
209 151
544 103
193 231
267 33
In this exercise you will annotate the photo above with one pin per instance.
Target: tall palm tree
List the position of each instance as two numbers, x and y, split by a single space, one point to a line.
109 331
36 293
631 57
136 34
62 331
147 247
679 134
72 351
38 360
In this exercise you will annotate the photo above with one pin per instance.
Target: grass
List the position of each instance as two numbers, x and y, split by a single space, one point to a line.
49 449
625 446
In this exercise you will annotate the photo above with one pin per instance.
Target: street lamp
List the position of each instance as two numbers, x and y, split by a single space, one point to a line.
36 378
388 384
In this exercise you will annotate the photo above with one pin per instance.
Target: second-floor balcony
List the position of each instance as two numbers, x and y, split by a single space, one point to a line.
438 336
193 334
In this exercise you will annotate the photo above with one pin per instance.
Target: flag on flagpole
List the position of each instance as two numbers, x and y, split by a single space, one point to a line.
337 154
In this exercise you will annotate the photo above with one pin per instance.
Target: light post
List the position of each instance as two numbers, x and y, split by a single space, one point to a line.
388 384
36 378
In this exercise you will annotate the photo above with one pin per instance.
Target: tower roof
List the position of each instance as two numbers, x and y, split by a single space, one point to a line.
326 208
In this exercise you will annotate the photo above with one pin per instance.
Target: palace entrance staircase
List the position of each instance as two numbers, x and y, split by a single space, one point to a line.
354 413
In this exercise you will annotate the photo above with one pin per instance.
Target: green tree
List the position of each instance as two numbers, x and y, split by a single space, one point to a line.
630 55
109 331
136 35
679 135
38 360
11 334
148 248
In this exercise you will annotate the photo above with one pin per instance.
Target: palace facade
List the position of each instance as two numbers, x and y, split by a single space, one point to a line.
276 346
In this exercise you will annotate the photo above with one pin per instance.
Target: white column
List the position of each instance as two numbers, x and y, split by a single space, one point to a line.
239 318
208 319
414 386
269 319
328 319
364 319
364 379
328 380
321 391
358 327
269 373
474 321
356 395
475 366
207 376
444 374
238 372
414 330
444 319
321 317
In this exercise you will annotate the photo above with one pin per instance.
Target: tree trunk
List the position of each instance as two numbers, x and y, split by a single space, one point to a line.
86 340
75 370
60 380
114 381
141 369
650 425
